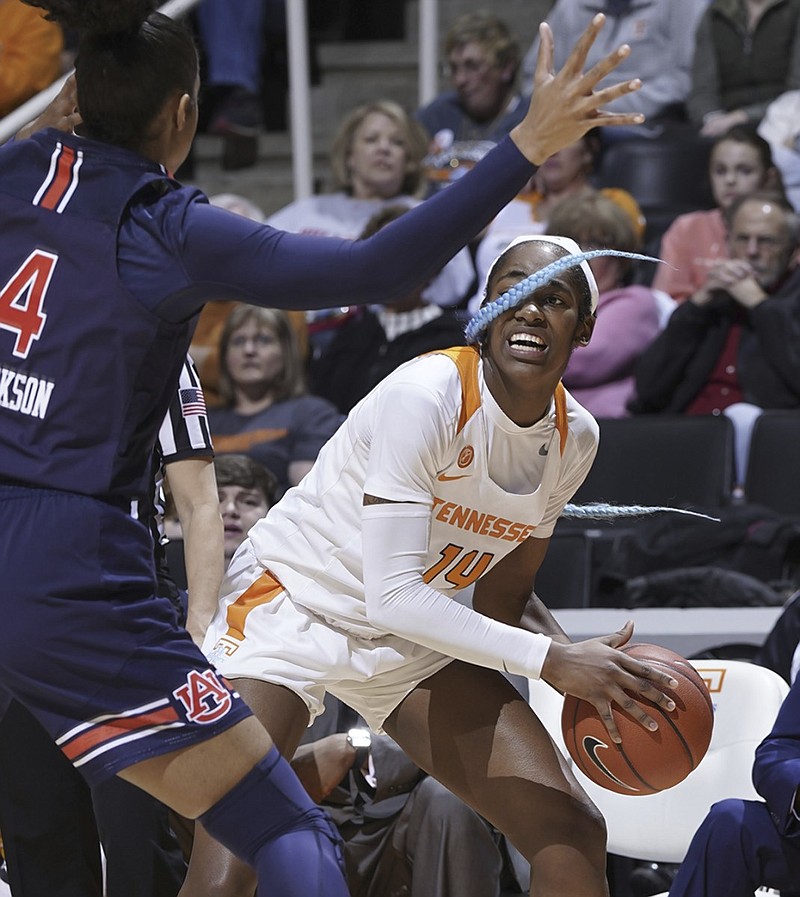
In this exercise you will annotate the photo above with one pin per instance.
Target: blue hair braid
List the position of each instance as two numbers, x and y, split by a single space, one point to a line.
605 511
520 291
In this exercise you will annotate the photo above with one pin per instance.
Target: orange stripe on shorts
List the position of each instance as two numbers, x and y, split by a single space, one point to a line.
262 591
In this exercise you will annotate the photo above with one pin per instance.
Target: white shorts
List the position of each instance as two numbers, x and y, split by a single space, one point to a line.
262 634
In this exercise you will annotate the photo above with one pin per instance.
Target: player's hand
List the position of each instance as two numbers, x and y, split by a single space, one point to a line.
61 112
596 671
564 104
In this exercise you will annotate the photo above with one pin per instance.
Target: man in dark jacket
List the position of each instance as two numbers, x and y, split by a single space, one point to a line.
734 346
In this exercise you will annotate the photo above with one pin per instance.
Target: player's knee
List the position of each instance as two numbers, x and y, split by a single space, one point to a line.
725 821
590 826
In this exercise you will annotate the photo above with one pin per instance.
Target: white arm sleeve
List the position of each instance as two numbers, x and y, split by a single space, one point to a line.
395 540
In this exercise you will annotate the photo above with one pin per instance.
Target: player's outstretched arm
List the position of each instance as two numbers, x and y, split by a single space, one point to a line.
595 671
564 104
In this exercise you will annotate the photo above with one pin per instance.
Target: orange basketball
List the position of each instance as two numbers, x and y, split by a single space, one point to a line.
645 762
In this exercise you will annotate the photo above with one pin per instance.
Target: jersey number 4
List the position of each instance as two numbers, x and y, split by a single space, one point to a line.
22 300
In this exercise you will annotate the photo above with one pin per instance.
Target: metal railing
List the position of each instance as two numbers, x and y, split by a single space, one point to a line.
299 82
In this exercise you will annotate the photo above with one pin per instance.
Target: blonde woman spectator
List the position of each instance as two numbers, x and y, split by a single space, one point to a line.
376 160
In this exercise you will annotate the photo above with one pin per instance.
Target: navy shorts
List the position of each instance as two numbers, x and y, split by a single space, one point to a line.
86 646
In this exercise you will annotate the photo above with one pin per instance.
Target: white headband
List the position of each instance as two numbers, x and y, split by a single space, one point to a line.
520 291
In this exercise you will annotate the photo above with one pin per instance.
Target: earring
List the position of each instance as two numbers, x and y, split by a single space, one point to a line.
583 341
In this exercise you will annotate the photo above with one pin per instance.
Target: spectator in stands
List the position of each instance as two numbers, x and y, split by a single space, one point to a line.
376 160
484 102
267 412
744 844
30 53
566 173
374 341
734 346
746 53
600 375
740 163
246 491
780 127
661 35
233 43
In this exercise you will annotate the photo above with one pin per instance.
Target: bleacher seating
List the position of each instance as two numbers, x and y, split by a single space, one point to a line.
667 176
679 461
773 473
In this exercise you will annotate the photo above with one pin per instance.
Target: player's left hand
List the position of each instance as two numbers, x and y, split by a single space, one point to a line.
597 672
564 104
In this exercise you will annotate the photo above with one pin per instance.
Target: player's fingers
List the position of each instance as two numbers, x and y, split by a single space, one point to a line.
607 718
601 98
620 637
637 712
576 60
603 67
615 119
648 689
646 673
544 59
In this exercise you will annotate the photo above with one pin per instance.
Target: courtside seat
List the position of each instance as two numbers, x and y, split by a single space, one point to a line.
773 478
659 827
675 460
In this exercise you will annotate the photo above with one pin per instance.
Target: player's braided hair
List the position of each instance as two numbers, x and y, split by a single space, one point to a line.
130 61
606 511
520 291
97 16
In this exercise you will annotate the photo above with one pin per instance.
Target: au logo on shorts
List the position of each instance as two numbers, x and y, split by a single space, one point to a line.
205 698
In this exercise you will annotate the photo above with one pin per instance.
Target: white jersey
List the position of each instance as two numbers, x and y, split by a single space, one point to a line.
430 433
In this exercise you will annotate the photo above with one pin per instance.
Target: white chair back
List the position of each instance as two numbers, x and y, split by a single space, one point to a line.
659 827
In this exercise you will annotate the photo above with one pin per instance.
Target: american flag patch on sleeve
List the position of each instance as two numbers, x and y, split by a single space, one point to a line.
192 401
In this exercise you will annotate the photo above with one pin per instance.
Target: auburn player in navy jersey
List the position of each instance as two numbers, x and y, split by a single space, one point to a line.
49 818
105 263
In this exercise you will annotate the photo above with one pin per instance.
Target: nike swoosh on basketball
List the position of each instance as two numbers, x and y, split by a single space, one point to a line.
444 478
590 745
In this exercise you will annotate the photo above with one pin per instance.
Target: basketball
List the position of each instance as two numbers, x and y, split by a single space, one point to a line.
645 762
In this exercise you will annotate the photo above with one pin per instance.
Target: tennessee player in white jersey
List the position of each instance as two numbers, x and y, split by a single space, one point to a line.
451 473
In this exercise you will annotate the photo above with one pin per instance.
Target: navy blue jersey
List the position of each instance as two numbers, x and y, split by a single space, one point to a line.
104 264
86 372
